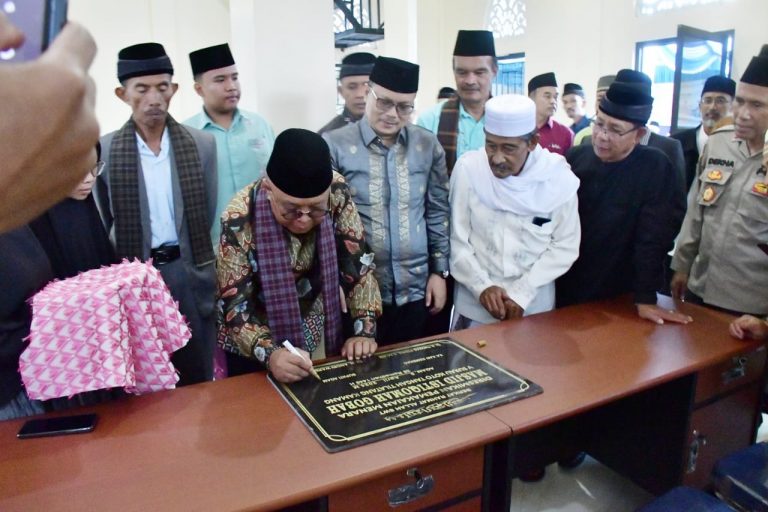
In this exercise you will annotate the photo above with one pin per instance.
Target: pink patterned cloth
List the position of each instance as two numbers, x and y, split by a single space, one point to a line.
110 327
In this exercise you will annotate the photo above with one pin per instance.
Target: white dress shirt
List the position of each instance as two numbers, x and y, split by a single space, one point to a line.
158 182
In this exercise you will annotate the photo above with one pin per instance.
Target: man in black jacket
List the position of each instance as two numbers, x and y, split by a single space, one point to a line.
631 204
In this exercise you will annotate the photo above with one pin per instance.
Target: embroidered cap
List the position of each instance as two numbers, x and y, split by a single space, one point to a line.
510 115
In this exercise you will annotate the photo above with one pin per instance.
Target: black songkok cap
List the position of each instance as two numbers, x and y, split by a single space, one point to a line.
141 60
719 83
213 57
570 88
640 80
396 75
446 93
357 64
628 102
545 80
757 70
474 43
300 163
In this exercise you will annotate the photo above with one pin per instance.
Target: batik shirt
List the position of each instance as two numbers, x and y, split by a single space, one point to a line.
402 195
243 324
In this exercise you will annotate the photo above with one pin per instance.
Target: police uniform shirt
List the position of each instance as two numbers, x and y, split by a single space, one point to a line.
727 217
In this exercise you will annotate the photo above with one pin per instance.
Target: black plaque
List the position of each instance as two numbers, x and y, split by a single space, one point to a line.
400 390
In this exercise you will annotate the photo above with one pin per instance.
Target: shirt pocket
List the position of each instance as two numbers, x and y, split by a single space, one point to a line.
753 209
712 183
533 239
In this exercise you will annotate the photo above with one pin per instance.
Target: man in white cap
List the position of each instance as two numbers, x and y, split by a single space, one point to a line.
514 219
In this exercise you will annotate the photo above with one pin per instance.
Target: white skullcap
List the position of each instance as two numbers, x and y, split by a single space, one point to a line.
510 115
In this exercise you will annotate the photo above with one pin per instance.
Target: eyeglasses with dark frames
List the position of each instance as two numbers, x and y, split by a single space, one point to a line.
612 133
385 105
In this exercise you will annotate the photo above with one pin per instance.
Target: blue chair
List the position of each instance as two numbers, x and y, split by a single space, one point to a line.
741 478
686 499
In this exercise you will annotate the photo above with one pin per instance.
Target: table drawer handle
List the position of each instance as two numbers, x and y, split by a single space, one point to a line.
698 440
411 492
738 371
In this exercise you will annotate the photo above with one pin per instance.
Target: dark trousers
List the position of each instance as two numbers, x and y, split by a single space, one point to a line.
194 361
401 323
441 322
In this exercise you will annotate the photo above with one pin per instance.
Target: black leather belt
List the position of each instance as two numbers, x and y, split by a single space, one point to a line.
165 254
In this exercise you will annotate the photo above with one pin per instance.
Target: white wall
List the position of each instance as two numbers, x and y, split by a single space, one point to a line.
285 59
181 26
583 40
284 48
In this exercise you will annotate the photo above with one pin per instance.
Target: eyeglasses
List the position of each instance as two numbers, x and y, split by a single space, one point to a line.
612 133
97 169
719 101
385 105
297 213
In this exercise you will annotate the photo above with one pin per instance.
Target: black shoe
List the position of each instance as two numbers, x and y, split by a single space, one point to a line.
572 462
534 475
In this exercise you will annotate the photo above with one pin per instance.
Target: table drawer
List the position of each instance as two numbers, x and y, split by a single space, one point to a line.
730 374
717 429
456 476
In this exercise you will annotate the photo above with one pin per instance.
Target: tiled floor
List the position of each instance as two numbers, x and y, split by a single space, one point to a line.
591 487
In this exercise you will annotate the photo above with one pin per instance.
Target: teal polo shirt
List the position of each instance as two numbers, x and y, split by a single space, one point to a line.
242 153
471 131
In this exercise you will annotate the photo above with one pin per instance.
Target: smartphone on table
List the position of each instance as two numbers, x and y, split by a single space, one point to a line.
58 426
40 20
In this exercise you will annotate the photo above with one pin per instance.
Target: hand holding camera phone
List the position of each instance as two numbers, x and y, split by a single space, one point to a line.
39 20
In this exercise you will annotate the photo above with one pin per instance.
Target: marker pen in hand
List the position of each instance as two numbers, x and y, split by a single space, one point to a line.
287 344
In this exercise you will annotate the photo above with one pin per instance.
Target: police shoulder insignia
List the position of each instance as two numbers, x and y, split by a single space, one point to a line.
760 188
715 175
708 194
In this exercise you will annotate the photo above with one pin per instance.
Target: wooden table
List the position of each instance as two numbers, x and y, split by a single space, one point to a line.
613 384
658 403
227 445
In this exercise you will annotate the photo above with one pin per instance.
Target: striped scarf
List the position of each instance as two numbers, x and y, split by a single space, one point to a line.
124 171
278 283
448 131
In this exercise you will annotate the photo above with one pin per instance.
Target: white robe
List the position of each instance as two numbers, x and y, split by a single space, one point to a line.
491 244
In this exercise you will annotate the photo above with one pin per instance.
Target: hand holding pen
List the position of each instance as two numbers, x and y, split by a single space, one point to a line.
287 344
289 366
